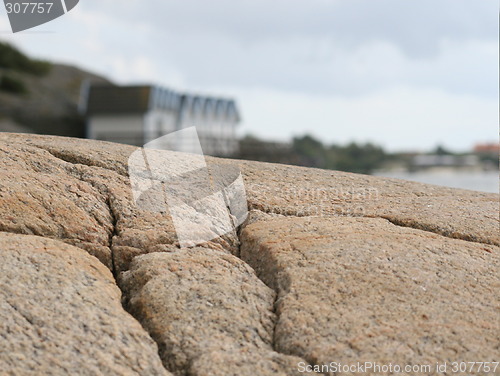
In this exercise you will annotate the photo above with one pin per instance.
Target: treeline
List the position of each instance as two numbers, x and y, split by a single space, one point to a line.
310 152
13 63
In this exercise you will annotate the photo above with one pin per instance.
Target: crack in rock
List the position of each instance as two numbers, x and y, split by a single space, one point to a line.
452 234
69 316
436 230
79 159
207 311
368 290
298 287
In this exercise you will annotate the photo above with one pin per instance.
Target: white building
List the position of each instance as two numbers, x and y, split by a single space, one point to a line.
137 115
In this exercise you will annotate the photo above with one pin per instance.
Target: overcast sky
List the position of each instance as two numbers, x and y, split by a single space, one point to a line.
405 74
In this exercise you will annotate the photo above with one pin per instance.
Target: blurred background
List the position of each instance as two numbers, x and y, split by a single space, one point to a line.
399 88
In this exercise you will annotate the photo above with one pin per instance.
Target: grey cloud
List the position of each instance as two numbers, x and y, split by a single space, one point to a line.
415 26
343 47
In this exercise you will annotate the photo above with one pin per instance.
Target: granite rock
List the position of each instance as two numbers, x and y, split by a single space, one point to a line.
207 311
60 314
364 290
329 267
79 191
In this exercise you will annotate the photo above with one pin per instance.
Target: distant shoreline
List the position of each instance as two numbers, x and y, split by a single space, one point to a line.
484 181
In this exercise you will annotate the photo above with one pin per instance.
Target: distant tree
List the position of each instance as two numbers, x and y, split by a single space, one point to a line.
356 158
310 151
440 150
13 59
11 84
252 148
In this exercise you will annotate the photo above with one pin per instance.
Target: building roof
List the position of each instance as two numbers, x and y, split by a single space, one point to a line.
209 107
108 99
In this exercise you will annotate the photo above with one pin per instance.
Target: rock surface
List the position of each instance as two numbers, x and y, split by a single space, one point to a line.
73 190
207 311
364 290
329 267
298 191
38 197
60 314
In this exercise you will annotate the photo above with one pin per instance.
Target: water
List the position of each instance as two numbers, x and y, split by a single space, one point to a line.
485 181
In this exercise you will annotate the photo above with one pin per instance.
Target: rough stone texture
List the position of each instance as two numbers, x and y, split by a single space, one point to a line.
38 197
297 191
78 191
350 285
208 312
60 314
363 289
